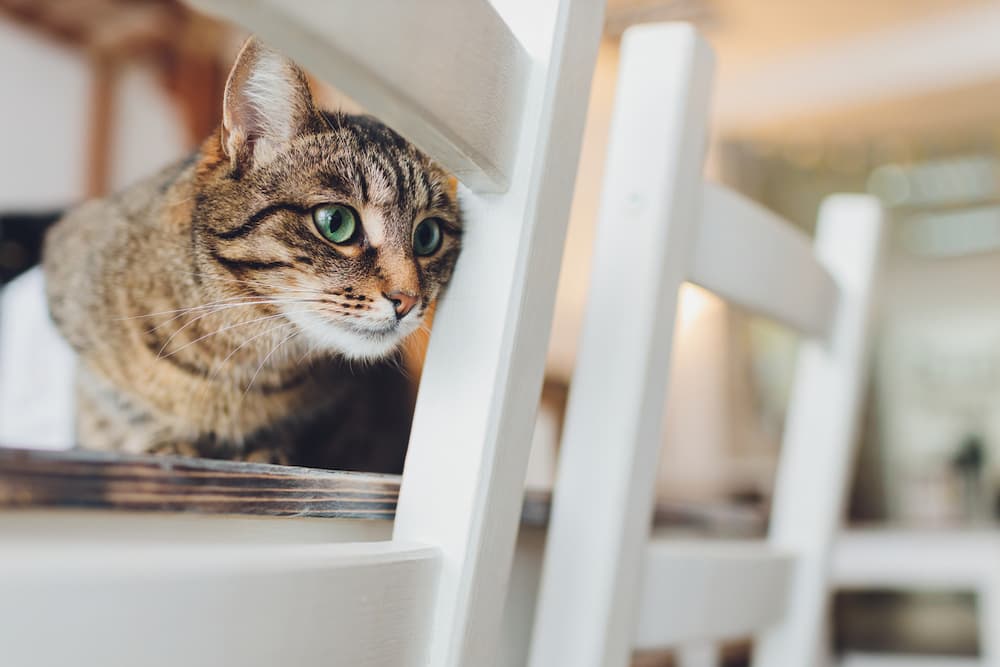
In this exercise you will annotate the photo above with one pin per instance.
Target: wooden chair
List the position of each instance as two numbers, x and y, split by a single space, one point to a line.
500 101
607 587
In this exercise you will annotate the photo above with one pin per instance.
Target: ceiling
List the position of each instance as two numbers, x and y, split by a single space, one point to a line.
754 39
748 31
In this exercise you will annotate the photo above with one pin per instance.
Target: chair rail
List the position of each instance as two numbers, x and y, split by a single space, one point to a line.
449 75
755 259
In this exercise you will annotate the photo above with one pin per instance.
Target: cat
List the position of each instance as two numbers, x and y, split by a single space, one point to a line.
249 302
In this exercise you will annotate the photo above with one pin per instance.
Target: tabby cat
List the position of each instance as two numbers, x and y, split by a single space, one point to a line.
250 302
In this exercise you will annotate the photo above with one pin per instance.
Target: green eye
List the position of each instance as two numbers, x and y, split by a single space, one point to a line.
337 223
427 237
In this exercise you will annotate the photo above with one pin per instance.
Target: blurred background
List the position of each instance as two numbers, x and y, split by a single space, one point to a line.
899 98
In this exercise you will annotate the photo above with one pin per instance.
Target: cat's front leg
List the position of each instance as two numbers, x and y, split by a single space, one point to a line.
274 455
178 448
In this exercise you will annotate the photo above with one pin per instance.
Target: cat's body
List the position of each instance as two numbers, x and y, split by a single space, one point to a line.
215 315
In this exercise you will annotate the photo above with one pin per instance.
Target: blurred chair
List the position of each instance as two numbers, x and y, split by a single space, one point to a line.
37 369
608 586
499 101
925 560
36 365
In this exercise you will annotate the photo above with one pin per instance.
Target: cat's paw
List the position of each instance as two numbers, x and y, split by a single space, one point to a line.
182 448
274 456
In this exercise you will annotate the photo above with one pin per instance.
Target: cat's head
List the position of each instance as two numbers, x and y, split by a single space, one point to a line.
337 221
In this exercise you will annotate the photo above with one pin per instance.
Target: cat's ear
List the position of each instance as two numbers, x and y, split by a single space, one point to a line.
267 102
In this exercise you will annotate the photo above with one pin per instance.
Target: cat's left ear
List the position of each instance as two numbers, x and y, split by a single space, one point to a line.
267 103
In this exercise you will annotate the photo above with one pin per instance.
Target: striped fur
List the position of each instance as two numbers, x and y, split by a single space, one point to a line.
212 318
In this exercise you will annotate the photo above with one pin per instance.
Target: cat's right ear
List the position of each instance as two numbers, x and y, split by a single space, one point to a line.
267 102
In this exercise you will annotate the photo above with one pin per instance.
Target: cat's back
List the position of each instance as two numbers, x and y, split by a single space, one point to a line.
90 256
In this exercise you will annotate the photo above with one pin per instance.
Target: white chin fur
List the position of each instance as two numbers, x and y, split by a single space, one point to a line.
349 344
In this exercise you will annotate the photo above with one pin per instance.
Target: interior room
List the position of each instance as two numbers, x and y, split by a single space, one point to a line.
895 101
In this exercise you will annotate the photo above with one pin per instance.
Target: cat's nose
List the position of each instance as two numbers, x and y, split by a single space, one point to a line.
403 302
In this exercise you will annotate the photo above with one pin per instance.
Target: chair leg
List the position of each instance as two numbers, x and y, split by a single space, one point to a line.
699 655
988 612
824 652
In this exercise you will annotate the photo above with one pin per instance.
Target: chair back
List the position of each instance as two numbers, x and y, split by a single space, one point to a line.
496 92
606 588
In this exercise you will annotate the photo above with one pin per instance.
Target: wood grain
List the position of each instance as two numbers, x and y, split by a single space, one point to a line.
32 479
168 484
97 480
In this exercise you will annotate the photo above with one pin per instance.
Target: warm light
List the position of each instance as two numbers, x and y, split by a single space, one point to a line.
694 302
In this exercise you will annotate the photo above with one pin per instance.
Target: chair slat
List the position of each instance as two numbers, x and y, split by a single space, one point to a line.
253 605
696 591
753 258
658 227
821 427
923 559
883 660
449 75
943 559
603 496
482 378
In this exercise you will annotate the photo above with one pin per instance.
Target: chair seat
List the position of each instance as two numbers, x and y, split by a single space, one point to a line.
704 590
254 605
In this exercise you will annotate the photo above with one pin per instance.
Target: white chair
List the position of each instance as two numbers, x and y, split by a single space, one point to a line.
500 101
607 587
924 560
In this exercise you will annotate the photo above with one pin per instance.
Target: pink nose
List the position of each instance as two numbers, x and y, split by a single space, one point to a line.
402 302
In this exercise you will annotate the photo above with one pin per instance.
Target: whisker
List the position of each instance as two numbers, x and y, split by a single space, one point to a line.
239 410
268 356
397 361
192 321
222 302
309 351
221 364
252 282
239 347
227 328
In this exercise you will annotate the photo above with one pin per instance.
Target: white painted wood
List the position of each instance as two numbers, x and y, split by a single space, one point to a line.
452 77
254 605
698 655
695 591
877 660
449 75
463 482
67 529
914 559
821 428
657 229
37 369
988 615
603 496
907 559
752 258
522 591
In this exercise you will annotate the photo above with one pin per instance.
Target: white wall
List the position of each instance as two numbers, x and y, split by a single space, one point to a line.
937 377
43 117
44 108
148 129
